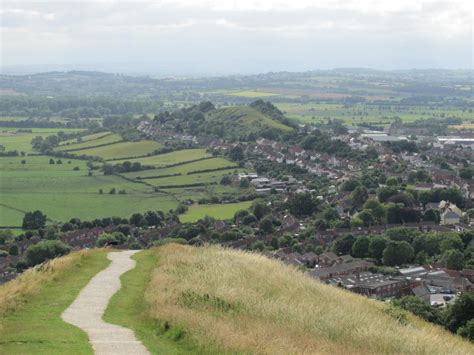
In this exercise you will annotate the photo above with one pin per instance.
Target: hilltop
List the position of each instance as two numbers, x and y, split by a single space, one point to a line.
183 299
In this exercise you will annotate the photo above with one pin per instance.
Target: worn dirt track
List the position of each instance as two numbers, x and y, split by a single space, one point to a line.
88 308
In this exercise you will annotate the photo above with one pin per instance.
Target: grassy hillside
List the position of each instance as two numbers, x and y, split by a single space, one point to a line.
243 120
31 306
241 302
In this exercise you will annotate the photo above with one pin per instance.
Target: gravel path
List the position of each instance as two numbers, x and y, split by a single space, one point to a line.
87 310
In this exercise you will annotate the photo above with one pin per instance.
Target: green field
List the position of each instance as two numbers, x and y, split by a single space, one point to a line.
100 139
89 137
200 178
21 141
120 150
213 163
250 93
166 159
218 211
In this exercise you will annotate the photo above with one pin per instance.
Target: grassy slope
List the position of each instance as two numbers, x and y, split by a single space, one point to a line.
242 302
128 309
244 120
31 306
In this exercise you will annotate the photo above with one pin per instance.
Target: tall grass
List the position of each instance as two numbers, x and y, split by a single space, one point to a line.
242 302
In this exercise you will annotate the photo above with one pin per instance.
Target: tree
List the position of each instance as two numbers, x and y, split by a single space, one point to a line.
266 225
460 312
136 218
51 161
376 247
467 331
451 241
418 307
453 259
34 220
367 217
359 196
226 180
343 245
360 248
45 250
397 253
301 205
260 209
153 218
236 153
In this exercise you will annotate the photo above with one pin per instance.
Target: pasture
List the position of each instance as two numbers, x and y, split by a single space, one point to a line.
120 150
218 211
87 142
162 160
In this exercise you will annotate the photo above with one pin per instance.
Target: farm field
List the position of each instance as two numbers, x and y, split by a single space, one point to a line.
120 150
362 113
199 178
89 137
36 166
212 163
90 142
250 93
218 211
166 159
21 141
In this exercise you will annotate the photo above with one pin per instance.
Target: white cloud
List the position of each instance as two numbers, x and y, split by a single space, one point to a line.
83 27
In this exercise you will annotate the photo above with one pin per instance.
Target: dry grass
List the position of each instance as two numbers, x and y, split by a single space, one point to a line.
16 293
241 302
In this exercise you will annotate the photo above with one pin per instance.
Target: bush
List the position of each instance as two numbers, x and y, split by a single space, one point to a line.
45 250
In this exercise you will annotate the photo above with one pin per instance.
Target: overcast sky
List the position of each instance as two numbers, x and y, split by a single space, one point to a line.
241 36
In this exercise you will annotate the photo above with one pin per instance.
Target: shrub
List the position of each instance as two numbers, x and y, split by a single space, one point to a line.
45 250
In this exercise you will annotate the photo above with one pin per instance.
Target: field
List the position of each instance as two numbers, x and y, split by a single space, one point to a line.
365 113
31 306
62 193
220 211
166 159
121 150
241 302
65 189
250 93
89 137
90 141
21 141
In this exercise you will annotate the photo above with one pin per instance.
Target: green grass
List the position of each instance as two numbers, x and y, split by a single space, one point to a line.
89 137
178 156
62 197
250 93
121 150
21 141
10 217
214 163
128 308
36 327
199 178
100 138
242 120
217 211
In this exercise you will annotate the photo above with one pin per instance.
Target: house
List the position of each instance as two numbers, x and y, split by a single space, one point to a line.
449 217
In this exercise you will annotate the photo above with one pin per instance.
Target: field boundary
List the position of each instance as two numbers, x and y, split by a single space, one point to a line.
91 147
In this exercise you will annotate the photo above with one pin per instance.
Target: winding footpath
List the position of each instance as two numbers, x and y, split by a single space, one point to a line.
88 308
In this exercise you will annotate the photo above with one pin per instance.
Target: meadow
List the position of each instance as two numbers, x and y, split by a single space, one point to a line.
89 137
240 302
217 211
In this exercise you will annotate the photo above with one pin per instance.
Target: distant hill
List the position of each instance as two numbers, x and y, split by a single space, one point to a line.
243 120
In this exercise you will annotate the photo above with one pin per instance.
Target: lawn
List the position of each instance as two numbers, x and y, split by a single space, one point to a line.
120 150
175 157
37 300
127 308
217 211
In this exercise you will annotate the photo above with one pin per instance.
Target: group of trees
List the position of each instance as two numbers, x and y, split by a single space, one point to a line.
457 317
398 246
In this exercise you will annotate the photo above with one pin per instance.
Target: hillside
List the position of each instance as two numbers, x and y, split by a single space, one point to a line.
182 299
243 120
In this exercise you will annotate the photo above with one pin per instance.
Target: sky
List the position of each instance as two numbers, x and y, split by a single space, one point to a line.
241 36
